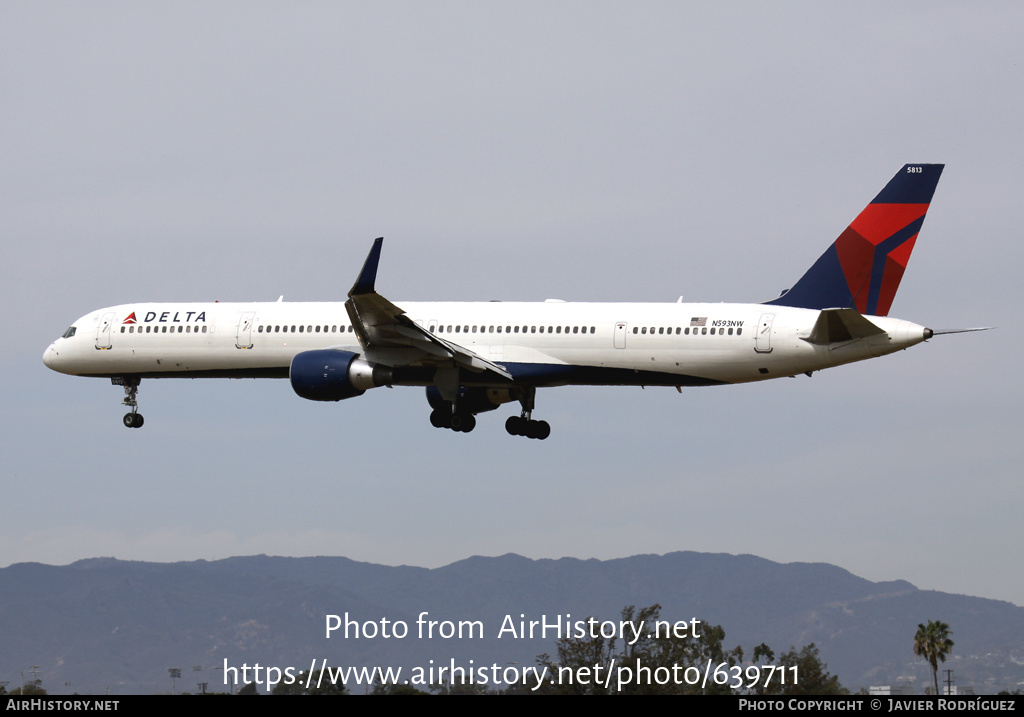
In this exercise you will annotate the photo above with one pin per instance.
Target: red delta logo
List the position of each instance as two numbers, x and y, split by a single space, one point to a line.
131 319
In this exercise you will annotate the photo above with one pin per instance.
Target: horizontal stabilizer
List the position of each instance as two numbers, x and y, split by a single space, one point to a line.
836 326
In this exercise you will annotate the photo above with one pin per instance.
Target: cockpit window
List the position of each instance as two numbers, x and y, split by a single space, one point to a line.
69 333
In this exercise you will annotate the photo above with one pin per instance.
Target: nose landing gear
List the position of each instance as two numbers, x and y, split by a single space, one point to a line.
132 419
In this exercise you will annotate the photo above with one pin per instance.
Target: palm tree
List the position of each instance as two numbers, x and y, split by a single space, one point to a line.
933 644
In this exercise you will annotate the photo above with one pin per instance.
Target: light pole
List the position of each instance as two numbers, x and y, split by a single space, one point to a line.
175 674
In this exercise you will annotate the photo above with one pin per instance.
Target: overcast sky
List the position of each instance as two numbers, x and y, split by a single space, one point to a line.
520 151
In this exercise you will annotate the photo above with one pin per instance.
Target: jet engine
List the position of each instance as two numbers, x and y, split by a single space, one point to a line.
333 375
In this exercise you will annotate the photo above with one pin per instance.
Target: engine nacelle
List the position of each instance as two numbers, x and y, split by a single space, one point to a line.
472 400
334 375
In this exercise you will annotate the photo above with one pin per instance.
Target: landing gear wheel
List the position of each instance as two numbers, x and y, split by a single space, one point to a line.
131 390
522 426
514 425
440 418
541 430
463 422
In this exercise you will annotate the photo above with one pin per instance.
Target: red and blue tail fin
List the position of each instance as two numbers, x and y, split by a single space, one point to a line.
863 268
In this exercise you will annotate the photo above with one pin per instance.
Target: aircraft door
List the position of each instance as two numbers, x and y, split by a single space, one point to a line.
620 334
243 337
763 339
103 330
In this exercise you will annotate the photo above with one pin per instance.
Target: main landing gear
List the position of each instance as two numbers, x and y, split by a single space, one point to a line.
460 415
133 419
523 424
458 421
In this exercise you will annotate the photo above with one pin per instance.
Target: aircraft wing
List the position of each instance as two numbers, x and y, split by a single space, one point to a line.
381 325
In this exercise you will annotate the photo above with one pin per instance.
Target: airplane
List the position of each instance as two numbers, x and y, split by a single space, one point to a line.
473 357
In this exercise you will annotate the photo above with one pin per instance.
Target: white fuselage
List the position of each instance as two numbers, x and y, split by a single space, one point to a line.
475 356
541 344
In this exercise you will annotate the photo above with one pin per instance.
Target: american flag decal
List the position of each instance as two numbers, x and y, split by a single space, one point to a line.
699 321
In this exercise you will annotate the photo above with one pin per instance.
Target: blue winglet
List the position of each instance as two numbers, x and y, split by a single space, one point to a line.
368 276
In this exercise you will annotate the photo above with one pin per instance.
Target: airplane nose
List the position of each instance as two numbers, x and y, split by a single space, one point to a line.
50 356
